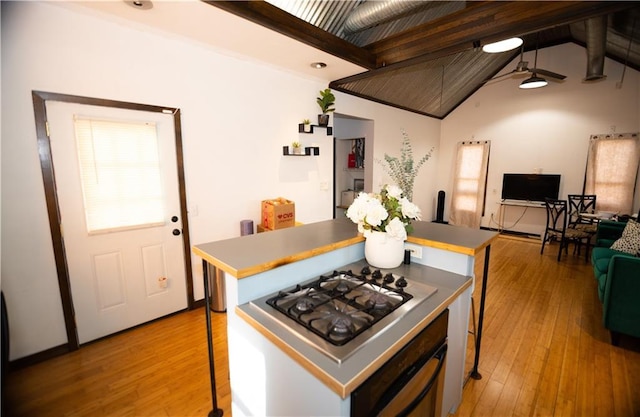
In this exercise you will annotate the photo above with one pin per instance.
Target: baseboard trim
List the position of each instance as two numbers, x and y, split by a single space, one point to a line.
36 358
514 233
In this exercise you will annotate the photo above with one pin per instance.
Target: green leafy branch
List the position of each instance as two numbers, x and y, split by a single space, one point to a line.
403 170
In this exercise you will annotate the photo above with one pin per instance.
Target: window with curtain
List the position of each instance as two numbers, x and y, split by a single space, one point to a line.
612 169
120 174
469 183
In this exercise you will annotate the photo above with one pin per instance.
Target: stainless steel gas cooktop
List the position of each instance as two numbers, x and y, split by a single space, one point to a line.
338 312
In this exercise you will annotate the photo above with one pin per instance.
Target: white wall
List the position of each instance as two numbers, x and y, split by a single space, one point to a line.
546 128
236 116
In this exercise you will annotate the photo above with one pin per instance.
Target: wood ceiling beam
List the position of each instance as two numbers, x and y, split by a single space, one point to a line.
479 23
274 18
485 22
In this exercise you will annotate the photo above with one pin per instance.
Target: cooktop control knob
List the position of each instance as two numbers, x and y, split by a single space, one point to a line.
366 271
376 274
389 278
401 282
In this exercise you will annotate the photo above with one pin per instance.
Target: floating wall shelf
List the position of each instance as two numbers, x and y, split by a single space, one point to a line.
308 151
301 129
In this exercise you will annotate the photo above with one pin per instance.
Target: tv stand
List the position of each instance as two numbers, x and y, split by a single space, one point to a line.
521 203
515 203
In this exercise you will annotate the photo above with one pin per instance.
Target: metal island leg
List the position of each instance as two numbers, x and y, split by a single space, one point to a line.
215 412
485 273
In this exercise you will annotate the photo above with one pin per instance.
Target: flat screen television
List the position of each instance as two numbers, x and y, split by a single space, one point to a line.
530 187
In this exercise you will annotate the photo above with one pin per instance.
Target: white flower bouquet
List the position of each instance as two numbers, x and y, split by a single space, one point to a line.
389 211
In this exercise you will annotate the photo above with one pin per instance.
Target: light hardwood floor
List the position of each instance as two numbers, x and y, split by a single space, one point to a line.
544 353
544 350
159 369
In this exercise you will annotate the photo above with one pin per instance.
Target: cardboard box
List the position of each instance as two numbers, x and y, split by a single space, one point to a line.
278 213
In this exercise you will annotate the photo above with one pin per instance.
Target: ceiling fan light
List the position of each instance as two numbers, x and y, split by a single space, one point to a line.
502 46
533 82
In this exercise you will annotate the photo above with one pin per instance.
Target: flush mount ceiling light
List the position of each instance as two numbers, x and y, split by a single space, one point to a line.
533 82
502 46
318 65
140 4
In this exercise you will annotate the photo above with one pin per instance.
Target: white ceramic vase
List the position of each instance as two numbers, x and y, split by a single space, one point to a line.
383 251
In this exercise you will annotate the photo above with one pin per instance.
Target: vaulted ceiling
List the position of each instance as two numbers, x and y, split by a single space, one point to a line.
426 56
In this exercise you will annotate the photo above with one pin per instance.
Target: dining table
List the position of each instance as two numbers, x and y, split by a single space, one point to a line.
597 216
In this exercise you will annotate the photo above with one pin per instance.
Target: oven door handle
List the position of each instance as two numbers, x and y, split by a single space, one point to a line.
440 355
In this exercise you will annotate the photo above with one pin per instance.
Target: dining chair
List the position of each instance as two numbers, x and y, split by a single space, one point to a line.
578 204
557 228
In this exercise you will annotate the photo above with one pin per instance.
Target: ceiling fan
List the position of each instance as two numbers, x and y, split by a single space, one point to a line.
522 67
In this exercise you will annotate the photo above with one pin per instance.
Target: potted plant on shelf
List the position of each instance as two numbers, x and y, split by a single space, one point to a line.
325 101
307 125
297 148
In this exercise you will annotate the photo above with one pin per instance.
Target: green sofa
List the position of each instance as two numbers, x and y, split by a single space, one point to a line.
618 276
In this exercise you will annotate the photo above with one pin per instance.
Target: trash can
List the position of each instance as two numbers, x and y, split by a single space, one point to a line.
246 227
216 289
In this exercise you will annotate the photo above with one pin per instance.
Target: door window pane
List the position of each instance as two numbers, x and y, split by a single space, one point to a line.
120 174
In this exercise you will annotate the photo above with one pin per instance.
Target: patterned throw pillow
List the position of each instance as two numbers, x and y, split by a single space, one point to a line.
629 242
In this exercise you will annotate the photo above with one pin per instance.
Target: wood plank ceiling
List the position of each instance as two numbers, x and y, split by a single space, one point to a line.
428 58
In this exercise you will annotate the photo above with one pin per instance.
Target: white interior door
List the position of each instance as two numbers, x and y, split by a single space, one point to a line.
120 277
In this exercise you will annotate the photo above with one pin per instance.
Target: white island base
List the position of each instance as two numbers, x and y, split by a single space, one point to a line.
275 374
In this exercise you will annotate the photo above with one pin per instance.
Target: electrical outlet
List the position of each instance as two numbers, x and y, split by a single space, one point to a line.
416 251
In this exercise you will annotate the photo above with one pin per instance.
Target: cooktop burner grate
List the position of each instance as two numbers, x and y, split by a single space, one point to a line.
340 306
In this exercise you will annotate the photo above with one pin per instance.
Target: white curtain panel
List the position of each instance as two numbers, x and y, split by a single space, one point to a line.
612 166
469 183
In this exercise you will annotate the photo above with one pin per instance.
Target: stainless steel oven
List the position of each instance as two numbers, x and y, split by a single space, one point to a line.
411 382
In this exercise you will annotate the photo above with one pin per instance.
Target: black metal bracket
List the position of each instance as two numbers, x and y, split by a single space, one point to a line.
301 129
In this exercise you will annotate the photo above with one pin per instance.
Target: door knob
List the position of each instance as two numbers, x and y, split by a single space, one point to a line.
174 219
176 232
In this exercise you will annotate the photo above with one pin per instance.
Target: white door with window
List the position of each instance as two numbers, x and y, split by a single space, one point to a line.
118 192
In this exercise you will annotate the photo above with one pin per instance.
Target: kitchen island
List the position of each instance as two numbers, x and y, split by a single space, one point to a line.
274 372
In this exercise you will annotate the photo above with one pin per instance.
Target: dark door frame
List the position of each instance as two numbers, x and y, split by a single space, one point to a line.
40 99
